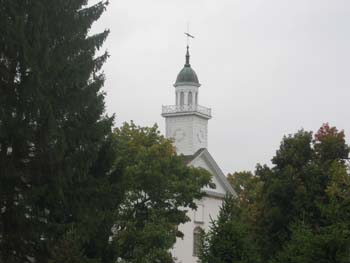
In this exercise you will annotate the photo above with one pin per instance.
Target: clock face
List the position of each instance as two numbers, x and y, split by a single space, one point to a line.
200 136
179 135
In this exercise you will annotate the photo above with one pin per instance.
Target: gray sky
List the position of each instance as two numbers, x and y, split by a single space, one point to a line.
267 68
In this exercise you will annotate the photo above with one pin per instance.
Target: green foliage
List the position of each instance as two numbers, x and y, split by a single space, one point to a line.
52 122
283 193
246 186
330 144
156 186
296 211
61 168
229 239
295 190
328 238
68 249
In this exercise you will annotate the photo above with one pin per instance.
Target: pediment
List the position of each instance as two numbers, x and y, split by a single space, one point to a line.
204 160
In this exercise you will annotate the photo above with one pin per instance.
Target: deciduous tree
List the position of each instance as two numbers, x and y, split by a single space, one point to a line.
297 210
158 189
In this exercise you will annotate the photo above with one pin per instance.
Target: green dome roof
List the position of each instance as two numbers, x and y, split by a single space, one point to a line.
187 75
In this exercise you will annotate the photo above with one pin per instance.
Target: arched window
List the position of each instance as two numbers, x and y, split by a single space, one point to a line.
197 233
196 98
182 98
190 98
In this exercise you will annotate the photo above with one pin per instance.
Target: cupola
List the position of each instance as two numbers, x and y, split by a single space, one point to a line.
187 76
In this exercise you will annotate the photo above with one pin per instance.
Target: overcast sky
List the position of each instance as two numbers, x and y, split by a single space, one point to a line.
267 68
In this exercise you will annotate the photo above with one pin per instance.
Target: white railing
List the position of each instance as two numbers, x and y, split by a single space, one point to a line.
186 108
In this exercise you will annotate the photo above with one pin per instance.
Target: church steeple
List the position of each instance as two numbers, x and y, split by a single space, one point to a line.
186 121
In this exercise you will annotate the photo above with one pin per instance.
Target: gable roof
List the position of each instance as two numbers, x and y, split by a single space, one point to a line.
190 158
205 156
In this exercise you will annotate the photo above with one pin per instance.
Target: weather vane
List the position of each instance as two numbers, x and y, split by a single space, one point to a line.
188 34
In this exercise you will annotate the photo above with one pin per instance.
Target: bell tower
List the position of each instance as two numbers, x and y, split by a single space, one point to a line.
186 122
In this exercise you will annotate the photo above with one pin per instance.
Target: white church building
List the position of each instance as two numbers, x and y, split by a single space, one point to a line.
187 124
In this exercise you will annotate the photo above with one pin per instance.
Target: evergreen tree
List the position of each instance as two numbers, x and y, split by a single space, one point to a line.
52 121
70 190
230 238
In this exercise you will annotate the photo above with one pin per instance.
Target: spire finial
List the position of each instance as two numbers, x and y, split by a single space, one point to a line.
187 58
188 35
